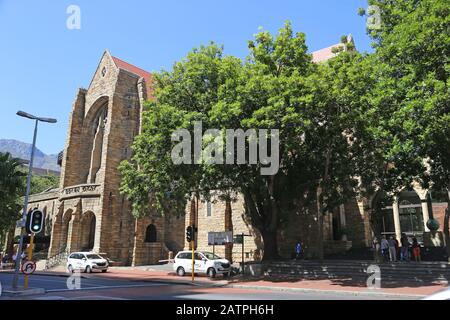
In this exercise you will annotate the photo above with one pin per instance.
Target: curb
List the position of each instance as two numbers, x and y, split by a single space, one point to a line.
21 293
111 276
52 274
324 291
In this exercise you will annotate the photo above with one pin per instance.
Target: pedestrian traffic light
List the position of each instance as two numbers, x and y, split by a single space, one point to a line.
35 222
189 233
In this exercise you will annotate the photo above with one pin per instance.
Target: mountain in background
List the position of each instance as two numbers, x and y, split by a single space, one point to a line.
22 150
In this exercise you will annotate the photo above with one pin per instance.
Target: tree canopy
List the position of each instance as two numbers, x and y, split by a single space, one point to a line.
356 124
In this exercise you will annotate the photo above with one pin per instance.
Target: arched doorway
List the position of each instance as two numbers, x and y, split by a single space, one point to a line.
410 210
150 233
88 223
65 221
409 214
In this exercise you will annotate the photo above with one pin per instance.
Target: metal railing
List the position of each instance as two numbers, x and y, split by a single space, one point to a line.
56 260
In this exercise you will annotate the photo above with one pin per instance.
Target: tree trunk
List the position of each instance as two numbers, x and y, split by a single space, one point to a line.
228 227
319 243
10 243
270 245
446 225
265 220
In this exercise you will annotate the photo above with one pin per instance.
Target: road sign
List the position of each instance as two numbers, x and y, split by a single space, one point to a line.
238 239
28 267
220 238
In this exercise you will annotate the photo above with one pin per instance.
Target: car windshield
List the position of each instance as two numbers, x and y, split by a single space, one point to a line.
93 256
211 256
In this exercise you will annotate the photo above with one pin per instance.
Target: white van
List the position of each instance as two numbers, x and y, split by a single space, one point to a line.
86 262
205 262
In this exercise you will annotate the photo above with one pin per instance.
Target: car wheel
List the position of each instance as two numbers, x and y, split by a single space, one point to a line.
88 269
181 272
226 275
103 271
211 272
70 268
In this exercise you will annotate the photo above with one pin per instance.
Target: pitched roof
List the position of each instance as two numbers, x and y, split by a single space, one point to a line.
327 53
138 71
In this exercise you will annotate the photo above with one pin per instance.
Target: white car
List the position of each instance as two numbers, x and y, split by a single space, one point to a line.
86 262
205 262
441 295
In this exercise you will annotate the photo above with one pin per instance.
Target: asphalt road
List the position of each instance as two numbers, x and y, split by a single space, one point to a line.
101 288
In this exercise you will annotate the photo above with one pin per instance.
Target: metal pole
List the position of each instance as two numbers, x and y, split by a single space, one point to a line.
243 261
30 258
24 212
193 258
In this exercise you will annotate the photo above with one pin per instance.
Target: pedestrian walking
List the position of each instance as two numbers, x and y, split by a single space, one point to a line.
416 250
377 250
404 250
385 248
392 250
298 250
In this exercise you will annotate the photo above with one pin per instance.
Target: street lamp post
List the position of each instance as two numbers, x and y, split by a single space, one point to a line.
25 203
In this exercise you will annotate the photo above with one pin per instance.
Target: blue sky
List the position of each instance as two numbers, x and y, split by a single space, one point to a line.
42 63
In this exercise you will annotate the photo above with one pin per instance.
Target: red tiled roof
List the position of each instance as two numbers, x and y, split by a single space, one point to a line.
138 71
325 53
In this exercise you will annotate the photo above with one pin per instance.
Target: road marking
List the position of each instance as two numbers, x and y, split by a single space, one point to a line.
51 298
97 298
109 287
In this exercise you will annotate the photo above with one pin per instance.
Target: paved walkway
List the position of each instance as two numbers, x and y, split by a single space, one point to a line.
273 283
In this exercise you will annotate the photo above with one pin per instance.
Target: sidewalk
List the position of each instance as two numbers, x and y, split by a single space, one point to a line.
273 283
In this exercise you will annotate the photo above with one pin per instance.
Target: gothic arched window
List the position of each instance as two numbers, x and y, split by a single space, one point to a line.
150 233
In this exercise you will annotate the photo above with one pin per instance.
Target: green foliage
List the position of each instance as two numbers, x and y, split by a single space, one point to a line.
276 87
361 11
12 187
42 183
356 124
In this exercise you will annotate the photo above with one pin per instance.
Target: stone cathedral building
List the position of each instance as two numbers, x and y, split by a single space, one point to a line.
87 211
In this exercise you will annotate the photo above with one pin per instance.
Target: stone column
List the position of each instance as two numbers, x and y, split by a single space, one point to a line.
74 233
425 213
55 239
395 209
343 221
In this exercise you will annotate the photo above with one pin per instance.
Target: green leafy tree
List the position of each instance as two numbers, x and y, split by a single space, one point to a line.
278 87
412 51
12 187
43 183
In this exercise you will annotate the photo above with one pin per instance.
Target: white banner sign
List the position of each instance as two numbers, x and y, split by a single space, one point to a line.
220 238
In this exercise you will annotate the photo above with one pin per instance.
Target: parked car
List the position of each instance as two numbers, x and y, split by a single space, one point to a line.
205 262
86 262
441 295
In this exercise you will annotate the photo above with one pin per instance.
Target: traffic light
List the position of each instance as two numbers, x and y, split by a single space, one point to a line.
35 221
189 233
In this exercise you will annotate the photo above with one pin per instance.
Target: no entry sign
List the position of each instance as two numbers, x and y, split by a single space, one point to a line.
28 267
